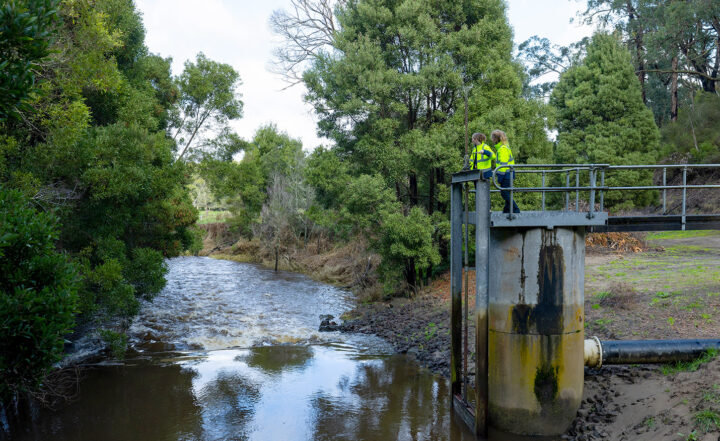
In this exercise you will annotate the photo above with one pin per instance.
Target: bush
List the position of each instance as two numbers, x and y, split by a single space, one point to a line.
146 271
38 295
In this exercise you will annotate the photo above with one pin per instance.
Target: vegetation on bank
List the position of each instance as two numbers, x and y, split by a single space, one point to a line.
94 196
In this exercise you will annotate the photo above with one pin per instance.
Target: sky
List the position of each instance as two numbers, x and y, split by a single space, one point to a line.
237 32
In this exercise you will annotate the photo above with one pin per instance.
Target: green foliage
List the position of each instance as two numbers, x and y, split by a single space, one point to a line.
673 46
690 366
25 37
697 130
390 92
243 186
116 342
146 271
208 98
92 148
366 196
38 295
406 243
328 175
601 118
707 420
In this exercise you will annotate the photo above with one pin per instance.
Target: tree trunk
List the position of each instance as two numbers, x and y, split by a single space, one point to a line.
413 190
440 179
634 24
431 192
410 274
674 91
276 258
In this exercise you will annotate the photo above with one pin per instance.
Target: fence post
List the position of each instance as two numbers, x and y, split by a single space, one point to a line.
664 190
684 197
567 192
577 189
591 214
543 192
602 191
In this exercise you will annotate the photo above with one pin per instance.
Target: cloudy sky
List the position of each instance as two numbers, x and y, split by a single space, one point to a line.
237 32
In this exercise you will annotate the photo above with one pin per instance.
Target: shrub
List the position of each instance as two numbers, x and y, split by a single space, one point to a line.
38 295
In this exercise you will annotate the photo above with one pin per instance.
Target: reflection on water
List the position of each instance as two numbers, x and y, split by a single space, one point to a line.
206 364
269 393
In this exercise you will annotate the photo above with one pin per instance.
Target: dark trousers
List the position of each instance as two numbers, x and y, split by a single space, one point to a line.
505 180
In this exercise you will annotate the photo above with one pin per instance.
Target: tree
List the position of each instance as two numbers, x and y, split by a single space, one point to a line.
38 295
26 29
92 148
208 99
601 117
308 29
389 87
697 130
406 243
672 42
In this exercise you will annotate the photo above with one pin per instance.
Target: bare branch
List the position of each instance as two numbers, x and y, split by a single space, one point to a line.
307 29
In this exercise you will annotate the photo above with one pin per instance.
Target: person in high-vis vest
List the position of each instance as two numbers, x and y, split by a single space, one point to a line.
504 157
482 156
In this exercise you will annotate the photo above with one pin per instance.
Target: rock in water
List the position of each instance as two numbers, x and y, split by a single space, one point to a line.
327 324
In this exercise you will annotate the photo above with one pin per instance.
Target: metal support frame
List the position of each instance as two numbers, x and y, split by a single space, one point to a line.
474 416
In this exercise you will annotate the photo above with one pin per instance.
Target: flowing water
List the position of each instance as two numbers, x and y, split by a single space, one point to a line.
230 351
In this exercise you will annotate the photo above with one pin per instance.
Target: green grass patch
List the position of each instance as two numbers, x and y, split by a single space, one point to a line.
666 235
712 396
690 366
707 420
212 216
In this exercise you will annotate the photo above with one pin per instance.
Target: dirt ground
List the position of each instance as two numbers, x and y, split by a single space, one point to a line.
670 290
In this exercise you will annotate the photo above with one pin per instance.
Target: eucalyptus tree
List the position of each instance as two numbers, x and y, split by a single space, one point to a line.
208 100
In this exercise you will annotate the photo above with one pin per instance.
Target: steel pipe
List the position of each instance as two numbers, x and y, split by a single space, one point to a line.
598 353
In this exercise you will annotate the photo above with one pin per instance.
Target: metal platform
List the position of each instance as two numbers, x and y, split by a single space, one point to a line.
547 219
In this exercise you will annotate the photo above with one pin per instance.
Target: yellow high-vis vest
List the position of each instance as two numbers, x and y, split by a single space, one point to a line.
504 157
482 157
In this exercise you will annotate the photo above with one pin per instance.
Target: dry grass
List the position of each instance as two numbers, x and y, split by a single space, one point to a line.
621 295
616 242
350 265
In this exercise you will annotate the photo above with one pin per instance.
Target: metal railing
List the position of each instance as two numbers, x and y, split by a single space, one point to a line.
592 188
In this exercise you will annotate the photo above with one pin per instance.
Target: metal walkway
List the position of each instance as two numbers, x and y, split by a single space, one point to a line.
580 198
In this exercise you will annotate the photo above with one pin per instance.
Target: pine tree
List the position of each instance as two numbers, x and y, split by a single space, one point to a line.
601 118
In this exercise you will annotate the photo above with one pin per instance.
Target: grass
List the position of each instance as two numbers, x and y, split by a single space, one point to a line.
649 422
690 366
712 396
212 216
707 420
666 235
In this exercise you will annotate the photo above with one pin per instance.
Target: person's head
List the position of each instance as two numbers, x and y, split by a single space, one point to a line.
478 138
498 136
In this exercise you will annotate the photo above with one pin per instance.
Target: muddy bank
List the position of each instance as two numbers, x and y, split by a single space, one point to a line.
349 265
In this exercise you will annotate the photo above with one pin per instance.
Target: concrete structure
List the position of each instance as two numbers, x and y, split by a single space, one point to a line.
529 302
536 338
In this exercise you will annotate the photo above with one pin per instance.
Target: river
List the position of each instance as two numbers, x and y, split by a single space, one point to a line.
231 351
